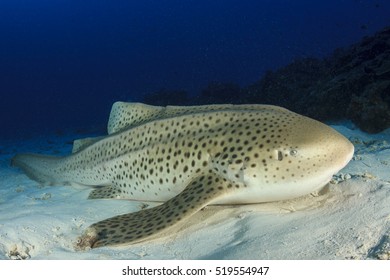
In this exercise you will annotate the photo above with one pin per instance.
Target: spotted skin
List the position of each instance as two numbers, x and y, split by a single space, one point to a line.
268 152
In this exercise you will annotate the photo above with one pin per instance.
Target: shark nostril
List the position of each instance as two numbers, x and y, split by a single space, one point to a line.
278 155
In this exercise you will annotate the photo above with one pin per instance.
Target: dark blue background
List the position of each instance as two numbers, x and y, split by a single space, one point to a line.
63 62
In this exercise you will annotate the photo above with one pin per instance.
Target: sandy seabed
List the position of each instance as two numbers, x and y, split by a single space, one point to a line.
348 219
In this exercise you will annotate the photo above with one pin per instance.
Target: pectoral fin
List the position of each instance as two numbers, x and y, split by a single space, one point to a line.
147 224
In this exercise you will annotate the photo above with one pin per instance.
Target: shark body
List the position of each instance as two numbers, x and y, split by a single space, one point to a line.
189 157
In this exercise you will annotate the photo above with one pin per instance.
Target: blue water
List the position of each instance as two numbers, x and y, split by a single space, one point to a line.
63 62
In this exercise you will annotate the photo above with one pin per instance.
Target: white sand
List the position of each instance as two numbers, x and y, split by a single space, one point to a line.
348 220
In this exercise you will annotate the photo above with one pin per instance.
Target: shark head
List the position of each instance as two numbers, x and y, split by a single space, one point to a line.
298 155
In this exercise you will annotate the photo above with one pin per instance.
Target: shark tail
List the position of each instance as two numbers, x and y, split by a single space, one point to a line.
43 169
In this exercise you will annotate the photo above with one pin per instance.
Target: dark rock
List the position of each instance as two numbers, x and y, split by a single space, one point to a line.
352 83
371 110
288 85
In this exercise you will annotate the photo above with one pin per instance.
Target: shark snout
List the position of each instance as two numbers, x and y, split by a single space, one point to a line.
322 150
349 151
336 149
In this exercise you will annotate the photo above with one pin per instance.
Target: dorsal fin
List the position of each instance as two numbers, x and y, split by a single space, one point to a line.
80 144
127 114
123 115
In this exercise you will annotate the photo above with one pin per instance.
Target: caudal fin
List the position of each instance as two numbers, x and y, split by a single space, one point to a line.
38 167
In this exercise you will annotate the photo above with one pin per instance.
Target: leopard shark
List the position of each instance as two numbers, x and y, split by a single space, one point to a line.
188 157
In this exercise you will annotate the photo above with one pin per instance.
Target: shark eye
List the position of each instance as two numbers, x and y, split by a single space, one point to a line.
293 153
